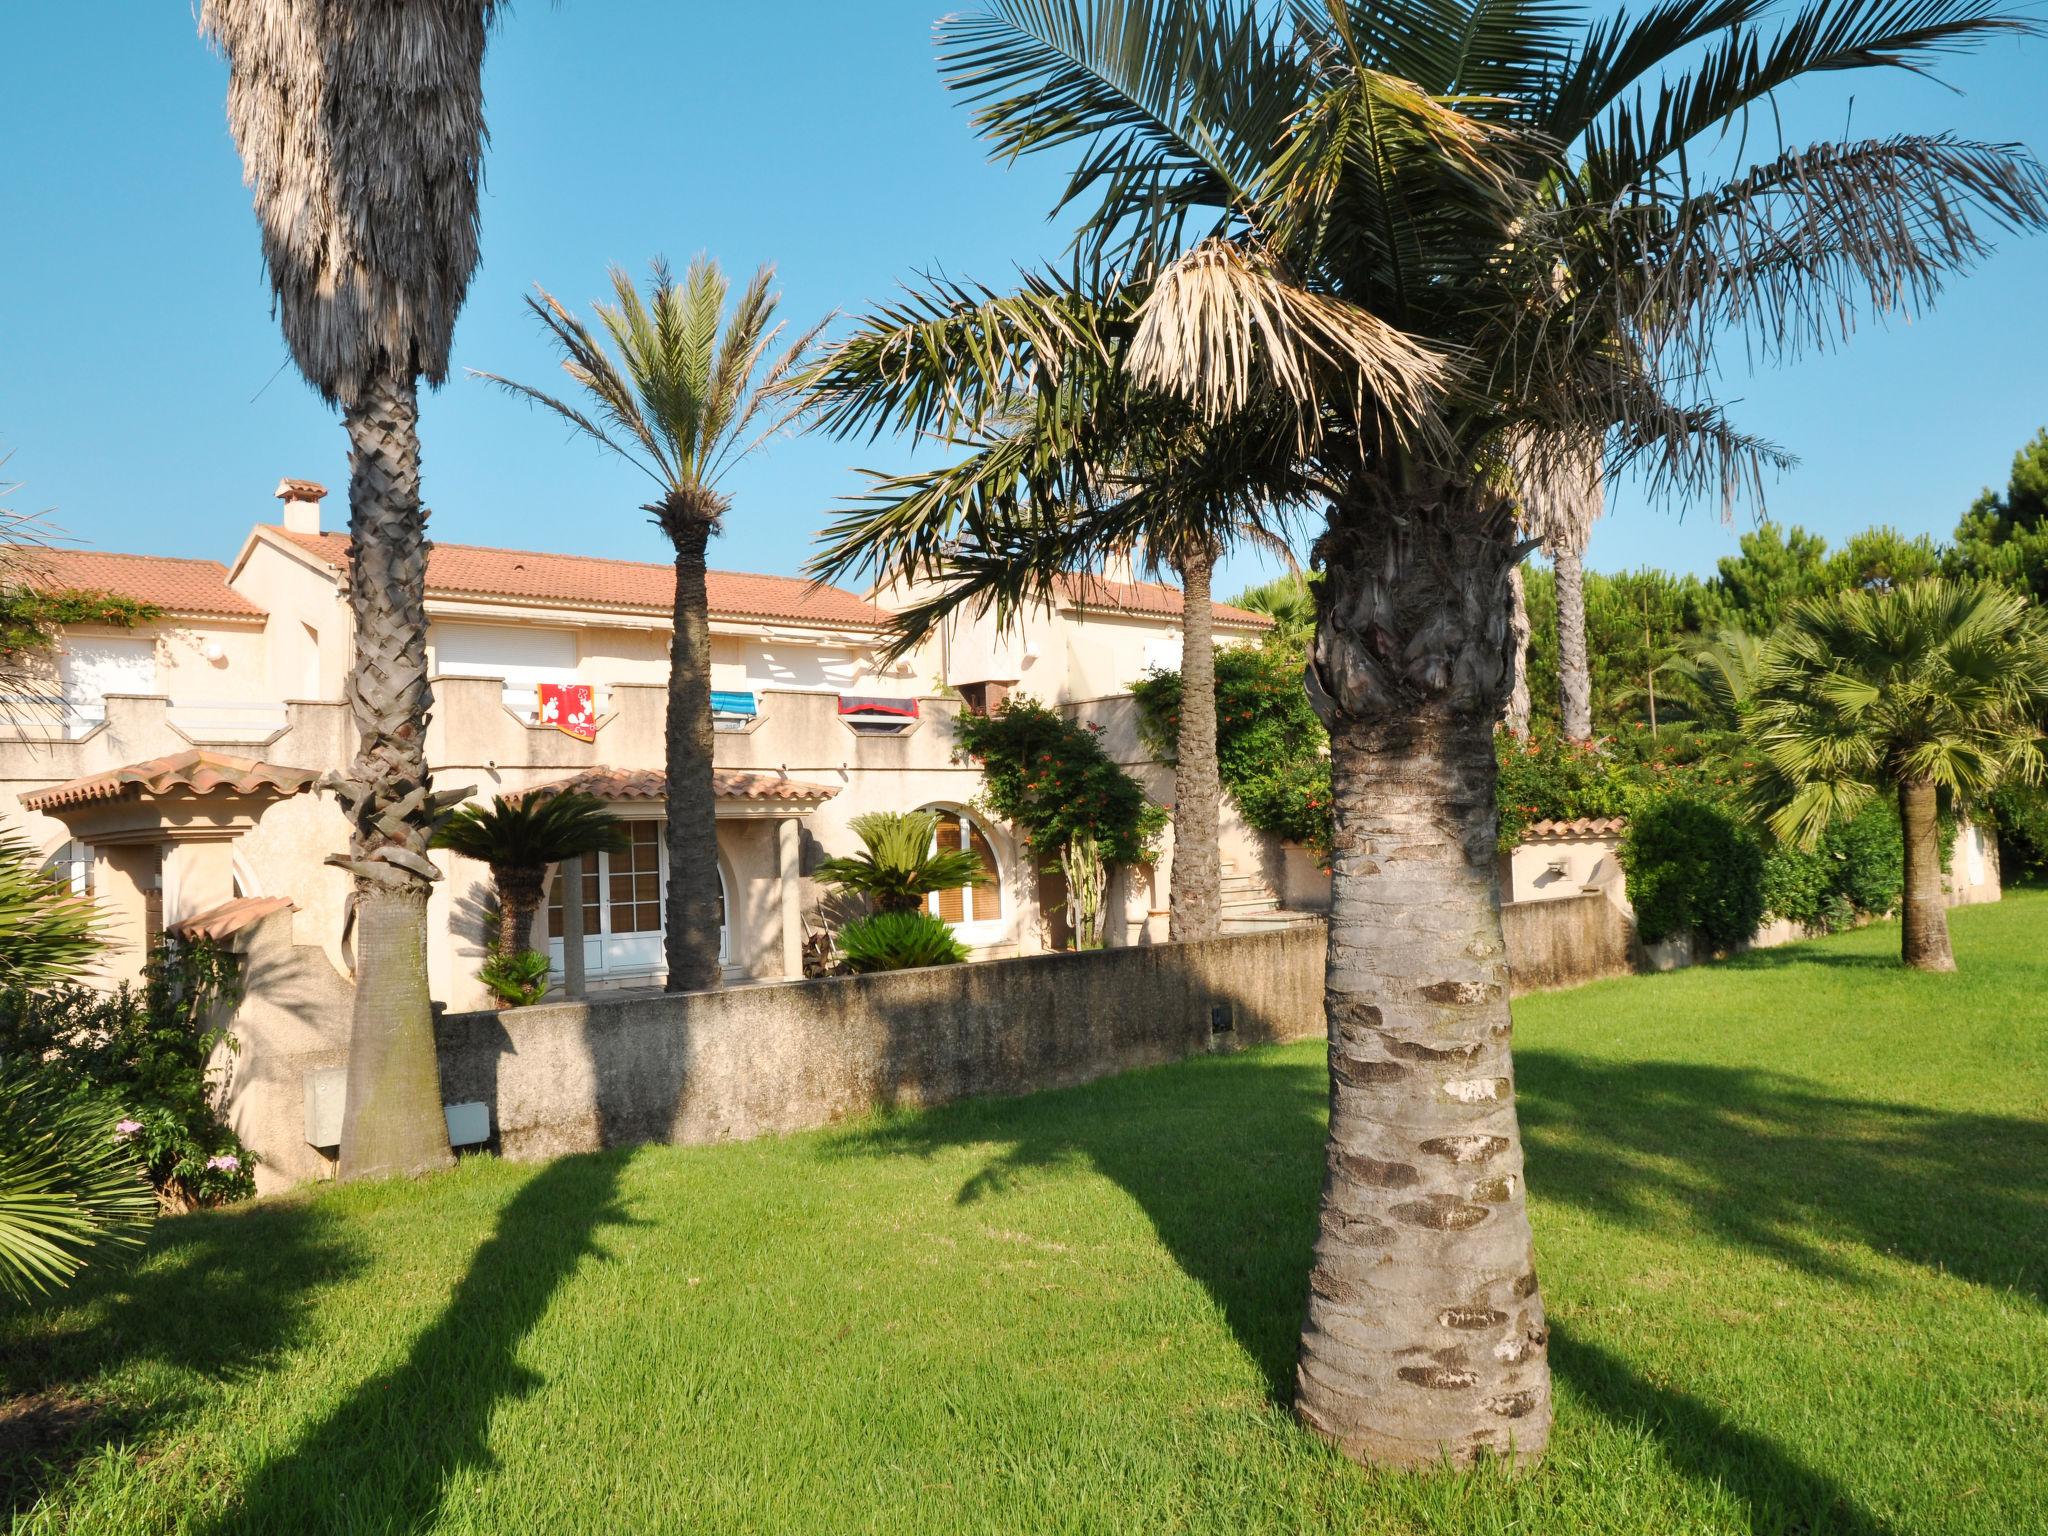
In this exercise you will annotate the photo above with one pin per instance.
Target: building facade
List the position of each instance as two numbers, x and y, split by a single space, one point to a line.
174 768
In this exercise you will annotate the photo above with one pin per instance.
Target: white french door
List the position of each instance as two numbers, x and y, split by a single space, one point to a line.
623 898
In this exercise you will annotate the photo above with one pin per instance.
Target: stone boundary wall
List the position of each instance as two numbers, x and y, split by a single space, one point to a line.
753 1061
1564 940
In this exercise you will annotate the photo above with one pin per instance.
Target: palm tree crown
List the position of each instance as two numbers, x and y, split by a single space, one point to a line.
519 837
900 862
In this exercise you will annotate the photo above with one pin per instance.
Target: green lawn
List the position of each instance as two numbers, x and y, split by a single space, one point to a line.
1791 1213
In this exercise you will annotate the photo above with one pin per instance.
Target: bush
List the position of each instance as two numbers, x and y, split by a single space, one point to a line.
517 981
143 1059
1692 867
898 941
1050 778
1272 752
2018 813
1857 868
1544 776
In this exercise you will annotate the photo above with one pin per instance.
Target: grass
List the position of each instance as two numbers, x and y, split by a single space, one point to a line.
1790 1216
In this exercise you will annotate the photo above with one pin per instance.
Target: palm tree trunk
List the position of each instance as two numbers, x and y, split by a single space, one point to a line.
1195 895
519 897
691 914
392 1121
1517 717
1574 673
1425 1336
1923 931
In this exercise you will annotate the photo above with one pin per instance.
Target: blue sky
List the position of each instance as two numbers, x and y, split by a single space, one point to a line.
144 397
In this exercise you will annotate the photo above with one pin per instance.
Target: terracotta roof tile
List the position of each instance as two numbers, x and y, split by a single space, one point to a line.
616 583
1146 597
1579 827
198 770
231 917
652 784
174 585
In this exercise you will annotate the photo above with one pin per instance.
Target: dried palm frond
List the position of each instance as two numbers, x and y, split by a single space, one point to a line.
361 132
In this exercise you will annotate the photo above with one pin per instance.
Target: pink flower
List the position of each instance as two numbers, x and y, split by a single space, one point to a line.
127 1130
227 1164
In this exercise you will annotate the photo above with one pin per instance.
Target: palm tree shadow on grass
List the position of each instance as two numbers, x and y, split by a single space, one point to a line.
1225 1156
220 1295
384 1458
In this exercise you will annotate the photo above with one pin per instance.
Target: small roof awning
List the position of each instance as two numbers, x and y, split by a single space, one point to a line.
872 704
197 772
765 791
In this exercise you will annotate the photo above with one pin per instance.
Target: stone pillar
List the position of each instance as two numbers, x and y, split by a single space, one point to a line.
789 873
570 873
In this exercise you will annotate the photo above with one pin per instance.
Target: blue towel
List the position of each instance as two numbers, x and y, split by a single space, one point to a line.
732 704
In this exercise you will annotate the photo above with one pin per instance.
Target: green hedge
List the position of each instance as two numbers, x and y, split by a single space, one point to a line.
1693 867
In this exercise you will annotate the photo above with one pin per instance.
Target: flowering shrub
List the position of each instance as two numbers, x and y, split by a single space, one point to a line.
1544 776
1272 752
145 1055
1050 778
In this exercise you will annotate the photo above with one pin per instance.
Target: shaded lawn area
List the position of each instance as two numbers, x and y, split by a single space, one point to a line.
1792 1221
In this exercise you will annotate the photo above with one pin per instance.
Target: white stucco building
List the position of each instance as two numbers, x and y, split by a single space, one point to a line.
173 768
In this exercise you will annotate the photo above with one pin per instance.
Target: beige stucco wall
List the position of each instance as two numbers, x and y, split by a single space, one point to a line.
1586 861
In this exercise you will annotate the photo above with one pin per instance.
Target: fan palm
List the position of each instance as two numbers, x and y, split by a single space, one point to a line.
69 1189
1439 231
683 403
900 862
519 836
361 131
47 935
1937 688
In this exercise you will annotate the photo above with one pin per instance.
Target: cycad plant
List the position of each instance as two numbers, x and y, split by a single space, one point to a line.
519 837
361 130
1439 235
1923 692
900 862
684 392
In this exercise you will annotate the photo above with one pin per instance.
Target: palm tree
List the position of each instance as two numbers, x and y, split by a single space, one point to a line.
1932 689
1289 601
681 403
1127 471
900 862
69 1189
1439 232
48 936
519 837
361 130
1560 503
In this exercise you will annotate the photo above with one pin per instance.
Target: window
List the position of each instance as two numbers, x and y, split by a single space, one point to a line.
867 715
967 903
71 867
732 711
623 904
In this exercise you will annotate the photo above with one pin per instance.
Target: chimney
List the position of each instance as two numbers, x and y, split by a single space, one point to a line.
301 500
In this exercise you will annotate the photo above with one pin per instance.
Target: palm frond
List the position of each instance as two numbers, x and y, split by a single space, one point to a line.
70 1192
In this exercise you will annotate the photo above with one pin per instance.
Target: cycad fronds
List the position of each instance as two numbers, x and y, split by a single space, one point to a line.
532 831
47 935
900 862
70 1190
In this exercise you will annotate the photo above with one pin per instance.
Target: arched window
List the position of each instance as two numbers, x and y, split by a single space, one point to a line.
967 903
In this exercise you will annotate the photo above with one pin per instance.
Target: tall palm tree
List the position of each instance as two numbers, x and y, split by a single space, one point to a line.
361 130
1113 470
1934 688
1560 502
683 404
1318 200
519 837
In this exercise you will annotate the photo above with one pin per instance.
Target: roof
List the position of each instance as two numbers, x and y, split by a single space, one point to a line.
231 917
1579 827
1146 597
523 573
174 585
197 770
652 784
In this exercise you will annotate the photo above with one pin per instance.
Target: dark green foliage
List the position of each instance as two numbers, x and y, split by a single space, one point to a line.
2004 537
517 981
1546 777
30 619
47 935
532 831
1858 868
1635 621
1692 867
2019 814
1774 568
900 862
1050 778
1271 750
898 941
145 1056
69 1187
